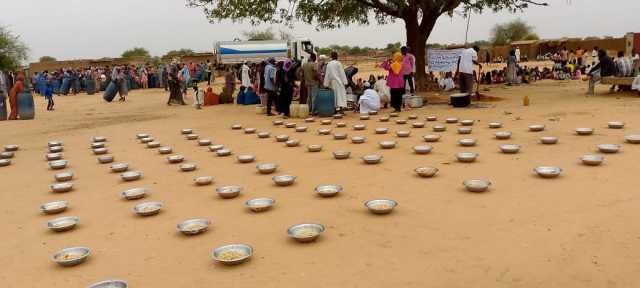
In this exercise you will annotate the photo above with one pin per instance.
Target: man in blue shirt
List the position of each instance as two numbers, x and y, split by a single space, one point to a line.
269 84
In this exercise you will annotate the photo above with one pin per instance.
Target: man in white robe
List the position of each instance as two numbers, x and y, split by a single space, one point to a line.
370 100
246 80
336 80
383 90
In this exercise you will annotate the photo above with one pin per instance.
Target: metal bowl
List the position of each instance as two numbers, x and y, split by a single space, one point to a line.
203 180
381 130
61 187
134 193
301 129
431 138
467 142
223 152
422 149
54 143
131 175
100 151
314 148
6 155
467 122
495 125
264 135
384 119
71 256
584 131
282 138
616 124
236 126
11 148
110 284
186 131
188 167
267 168
632 138
325 122
358 139
284 180
373 112
54 156
246 158
5 162
96 145
146 140
214 148
305 232
339 136
58 164
63 176
548 172
142 135
153 144
148 208
365 117
401 121
63 223
328 190
388 144
341 154
290 125
204 142
510 148
359 127
54 207
233 254
192 136
394 114
228 192
503 135
341 124
381 206
99 139
608 148
536 127
292 143
165 150
104 159
259 204
431 118
56 149
413 117
193 226
464 130
439 128
277 122
403 133
467 157
417 124
310 120
426 171
372 159
476 185
324 131
548 140
337 116
119 167
592 160
173 159
451 120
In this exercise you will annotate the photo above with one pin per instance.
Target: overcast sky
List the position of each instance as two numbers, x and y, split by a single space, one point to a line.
75 29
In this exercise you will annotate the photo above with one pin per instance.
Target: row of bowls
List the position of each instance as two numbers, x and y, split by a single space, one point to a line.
7 154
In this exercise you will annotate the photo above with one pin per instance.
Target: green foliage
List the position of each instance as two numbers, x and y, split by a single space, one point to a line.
12 50
47 59
482 43
512 31
266 34
136 52
178 53
155 61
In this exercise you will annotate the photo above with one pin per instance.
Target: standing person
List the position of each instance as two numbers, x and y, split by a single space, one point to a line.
408 64
309 76
636 62
383 90
336 79
229 86
144 78
279 83
512 68
564 56
594 56
245 75
517 52
192 69
604 68
322 68
395 80
207 72
165 78
185 79
173 82
18 87
467 59
48 94
269 84
579 56
287 87
198 96
4 90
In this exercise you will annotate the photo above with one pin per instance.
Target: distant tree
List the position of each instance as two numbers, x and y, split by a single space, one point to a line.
178 53
47 59
266 34
155 61
481 43
512 31
12 50
136 52
590 38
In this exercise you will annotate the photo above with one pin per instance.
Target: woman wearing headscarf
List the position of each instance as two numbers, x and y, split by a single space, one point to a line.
18 87
175 92
395 80
229 86
512 68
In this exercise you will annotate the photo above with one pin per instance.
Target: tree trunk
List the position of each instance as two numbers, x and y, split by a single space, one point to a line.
417 35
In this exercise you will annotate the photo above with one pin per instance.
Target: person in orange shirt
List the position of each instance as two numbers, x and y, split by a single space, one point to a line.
17 88
579 55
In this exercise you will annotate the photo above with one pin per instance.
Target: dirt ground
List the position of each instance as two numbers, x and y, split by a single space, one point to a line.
578 230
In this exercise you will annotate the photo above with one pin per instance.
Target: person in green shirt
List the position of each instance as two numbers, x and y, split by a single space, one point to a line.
309 73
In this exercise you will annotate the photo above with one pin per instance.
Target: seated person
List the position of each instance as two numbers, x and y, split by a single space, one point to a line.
604 68
370 100
446 83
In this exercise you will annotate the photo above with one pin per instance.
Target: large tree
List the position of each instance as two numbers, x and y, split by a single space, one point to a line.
12 50
47 59
515 30
136 52
419 16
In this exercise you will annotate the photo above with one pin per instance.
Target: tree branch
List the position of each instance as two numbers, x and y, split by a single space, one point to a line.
376 4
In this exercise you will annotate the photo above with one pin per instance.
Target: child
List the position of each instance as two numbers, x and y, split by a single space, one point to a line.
48 94
198 97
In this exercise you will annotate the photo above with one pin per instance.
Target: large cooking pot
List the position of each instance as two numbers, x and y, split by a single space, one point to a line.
460 100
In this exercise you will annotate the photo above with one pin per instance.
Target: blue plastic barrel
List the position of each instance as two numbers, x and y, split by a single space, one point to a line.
324 103
25 106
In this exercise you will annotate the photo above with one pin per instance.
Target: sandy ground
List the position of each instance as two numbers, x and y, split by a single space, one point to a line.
574 231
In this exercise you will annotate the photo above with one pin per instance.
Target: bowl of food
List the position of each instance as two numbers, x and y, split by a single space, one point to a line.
432 118
54 143
63 223
54 207
422 149
431 138
328 190
100 151
264 135
584 131
250 130
451 120
503 135
99 139
284 180
510 148
341 124
536 127
467 142
549 140
131 175
339 136
54 156
325 122
476 185
236 126
214 148
58 164
61 187
232 254
142 135
401 121
495 125
381 130
282 138
413 117
381 206
192 137
173 159
439 128
63 176
305 232
365 117
246 158
387 144
467 157
359 127
372 159
165 150
203 180
56 149
615 124
148 208
417 124
11 148
228 192
7 154
592 160
292 143
277 122
310 120
467 122
260 204
71 256
290 125
314 148
110 284
134 193
358 139
5 162
548 171
96 145
105 159
193 226
223 152
186 131
153 144
324 131
464 130
632 138
426 171
119 167
188 167
301 129
146 140
608 148
204 142
403 133
384 119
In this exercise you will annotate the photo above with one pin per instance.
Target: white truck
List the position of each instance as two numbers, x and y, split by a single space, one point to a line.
235 52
